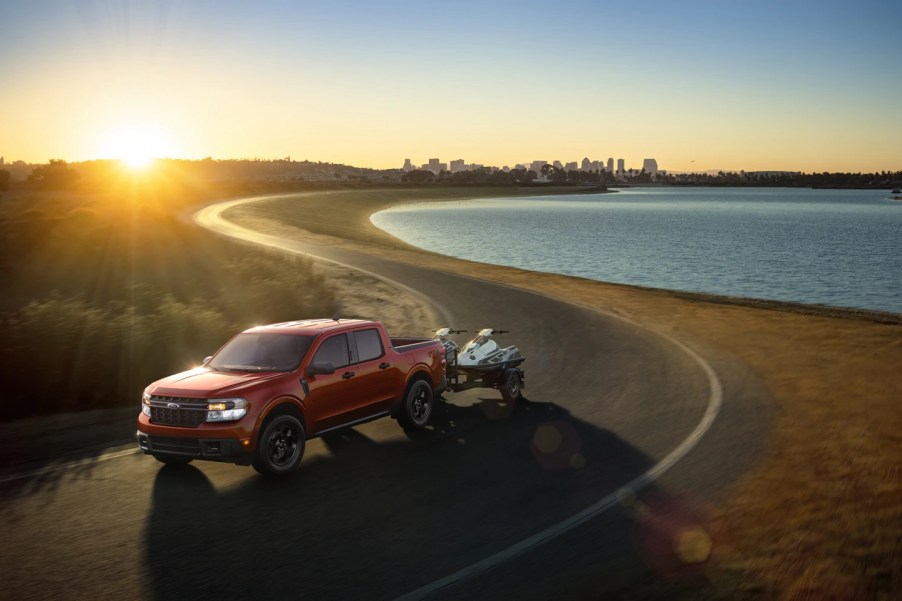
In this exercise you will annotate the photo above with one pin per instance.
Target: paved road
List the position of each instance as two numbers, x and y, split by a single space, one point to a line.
375 513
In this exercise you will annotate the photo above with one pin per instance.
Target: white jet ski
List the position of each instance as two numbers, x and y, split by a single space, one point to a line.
483 363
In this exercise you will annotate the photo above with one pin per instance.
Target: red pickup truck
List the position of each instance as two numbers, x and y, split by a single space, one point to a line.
270 388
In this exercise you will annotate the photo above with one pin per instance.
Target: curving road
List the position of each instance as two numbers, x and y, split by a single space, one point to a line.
532 502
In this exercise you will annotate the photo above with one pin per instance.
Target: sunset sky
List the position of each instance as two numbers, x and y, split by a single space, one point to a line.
728 84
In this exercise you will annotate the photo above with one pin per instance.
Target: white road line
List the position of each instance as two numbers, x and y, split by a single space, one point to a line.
211 218
715 401
68 465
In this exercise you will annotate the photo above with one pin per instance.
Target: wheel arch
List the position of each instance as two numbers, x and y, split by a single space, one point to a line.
281 406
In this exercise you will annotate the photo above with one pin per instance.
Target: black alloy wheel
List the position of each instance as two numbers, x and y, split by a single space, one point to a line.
418 405
280 447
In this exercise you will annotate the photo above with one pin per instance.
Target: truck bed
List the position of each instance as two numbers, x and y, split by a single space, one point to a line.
403 345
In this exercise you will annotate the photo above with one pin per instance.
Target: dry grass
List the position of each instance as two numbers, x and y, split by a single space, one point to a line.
821 514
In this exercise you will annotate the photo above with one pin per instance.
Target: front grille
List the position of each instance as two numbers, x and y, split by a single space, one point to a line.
190 414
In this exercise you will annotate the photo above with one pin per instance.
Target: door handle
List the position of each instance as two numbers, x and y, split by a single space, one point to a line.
384 365
347 375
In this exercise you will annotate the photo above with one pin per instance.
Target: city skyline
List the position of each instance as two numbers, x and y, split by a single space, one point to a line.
805 86
435 165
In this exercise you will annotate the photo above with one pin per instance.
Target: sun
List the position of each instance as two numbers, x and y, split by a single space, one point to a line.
136 144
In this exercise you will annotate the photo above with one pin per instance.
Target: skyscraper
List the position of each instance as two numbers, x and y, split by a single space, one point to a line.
585 166
610 168
407 165
620 168
650 166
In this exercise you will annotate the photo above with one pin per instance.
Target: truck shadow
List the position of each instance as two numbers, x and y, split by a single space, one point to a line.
377 520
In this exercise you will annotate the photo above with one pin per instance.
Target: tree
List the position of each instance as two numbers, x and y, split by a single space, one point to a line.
418 176
55 175
4 179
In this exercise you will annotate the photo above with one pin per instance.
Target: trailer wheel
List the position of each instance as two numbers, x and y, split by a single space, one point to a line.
510 387
418 405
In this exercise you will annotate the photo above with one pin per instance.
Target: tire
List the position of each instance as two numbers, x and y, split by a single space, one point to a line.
174 459
511 387
280 447
419 405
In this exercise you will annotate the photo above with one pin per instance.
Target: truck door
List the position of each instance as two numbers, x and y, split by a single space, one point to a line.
377 379
332 401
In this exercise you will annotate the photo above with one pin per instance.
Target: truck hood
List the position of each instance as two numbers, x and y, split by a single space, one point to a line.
203 382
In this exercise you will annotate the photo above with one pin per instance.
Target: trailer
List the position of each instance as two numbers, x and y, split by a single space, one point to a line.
482 363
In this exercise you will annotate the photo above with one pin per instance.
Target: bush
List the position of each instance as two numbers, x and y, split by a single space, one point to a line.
105 298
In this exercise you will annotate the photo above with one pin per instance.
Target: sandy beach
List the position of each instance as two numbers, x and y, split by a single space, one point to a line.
818 511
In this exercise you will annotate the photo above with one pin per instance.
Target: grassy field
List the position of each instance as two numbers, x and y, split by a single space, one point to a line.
106 291
820 517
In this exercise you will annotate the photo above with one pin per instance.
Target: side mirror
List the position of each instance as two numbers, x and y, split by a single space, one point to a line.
320 368
206 360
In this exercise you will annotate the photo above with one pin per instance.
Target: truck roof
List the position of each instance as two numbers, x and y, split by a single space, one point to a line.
310 327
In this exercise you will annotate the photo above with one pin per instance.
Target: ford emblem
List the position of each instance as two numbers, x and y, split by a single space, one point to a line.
172 405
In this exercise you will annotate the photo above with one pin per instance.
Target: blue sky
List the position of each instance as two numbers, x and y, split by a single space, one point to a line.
717 84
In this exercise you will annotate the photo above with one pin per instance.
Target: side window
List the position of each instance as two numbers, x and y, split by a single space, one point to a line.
333 350
369 345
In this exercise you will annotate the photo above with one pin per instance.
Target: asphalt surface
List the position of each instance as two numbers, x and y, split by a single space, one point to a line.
378 513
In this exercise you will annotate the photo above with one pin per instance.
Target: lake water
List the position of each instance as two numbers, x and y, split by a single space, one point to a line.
832 247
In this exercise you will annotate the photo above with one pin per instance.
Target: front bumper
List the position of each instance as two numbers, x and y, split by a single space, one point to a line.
212 449
228 441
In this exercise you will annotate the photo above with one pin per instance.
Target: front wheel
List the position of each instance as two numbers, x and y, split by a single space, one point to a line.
280 447
418 405
511 388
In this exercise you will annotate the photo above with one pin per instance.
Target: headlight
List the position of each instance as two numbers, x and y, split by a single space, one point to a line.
145 404
226 410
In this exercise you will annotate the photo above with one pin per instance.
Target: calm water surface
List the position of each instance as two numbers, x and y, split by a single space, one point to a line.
833 247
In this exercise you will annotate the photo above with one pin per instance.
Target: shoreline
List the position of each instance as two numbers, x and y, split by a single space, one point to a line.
364 231
832 373
796 306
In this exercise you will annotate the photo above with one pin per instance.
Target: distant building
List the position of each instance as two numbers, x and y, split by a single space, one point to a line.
650 166
537 166
458 165
585 165
435 166
556 164
407 165
610 168
595 166
520 167
620 168
571 166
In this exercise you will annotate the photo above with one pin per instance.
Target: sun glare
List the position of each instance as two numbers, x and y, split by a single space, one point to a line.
136 145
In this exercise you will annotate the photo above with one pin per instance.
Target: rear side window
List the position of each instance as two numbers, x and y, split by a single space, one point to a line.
369 345
333 350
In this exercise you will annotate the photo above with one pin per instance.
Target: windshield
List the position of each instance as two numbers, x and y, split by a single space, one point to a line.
262 352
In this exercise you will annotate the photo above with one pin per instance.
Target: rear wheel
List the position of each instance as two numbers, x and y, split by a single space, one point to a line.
174 459
280 447
418 405
511 387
